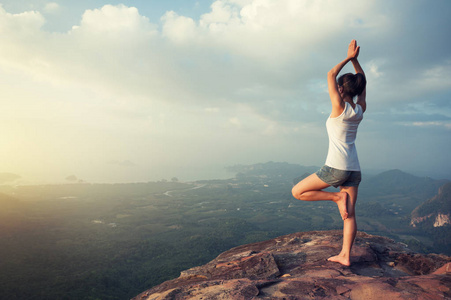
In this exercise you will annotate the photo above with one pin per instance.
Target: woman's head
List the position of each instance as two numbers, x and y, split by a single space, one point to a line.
352 84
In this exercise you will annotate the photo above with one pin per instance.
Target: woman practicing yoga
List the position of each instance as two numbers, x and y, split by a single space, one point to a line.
342 167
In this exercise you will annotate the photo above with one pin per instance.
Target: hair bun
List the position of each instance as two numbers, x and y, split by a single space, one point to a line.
353 84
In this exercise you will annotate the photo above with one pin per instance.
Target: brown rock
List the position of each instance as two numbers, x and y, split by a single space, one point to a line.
444 269
295 266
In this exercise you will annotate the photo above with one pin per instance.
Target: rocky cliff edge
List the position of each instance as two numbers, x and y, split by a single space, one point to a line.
295 266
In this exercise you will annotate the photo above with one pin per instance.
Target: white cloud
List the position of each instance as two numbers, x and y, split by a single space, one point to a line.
273 31
118 20
443 124
235 122
21 24
239 46
52 8
373 70
179 29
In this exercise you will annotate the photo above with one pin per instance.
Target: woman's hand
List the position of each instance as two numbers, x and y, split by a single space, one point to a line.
353 50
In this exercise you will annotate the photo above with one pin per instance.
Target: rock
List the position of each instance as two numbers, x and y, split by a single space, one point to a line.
436 210
295 266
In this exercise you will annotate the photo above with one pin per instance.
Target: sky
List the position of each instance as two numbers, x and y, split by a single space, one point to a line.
136 91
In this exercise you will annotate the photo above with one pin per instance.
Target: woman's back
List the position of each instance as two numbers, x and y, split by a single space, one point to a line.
342 131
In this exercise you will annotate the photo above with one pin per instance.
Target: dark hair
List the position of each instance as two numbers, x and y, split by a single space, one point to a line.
353 84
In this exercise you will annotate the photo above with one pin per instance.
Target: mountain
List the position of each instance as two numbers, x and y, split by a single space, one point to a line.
432 219
397 188
272 170
436 211
294 266
399 182
389 182
8 177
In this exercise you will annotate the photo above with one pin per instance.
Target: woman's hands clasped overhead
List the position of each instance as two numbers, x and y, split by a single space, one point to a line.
353 50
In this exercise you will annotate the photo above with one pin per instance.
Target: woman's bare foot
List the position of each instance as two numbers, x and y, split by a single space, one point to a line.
342 203
340 259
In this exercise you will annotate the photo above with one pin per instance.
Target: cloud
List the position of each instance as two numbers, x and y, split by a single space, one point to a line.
444 124
240 50
373 70
435 78
235 122
274 31
115 20
244 71
21 24
52 8
179 29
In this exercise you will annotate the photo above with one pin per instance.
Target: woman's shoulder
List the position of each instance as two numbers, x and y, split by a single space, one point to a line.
359 109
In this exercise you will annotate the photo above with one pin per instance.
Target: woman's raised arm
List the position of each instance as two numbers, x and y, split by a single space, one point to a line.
361 99
335 98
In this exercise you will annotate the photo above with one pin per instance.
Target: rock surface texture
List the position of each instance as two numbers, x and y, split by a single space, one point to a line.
295 266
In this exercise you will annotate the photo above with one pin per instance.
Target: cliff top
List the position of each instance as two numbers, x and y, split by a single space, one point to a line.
295 266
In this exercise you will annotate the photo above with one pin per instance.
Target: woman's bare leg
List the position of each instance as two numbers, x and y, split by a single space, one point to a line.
310 189
349 228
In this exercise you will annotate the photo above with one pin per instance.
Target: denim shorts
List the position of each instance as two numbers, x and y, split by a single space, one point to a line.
336 178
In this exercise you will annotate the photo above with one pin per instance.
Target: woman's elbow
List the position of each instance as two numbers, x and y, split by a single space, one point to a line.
332 74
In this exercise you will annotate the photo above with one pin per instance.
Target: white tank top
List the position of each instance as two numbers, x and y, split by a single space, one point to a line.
342 132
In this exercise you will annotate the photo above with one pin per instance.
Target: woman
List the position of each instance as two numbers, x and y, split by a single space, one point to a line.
342 167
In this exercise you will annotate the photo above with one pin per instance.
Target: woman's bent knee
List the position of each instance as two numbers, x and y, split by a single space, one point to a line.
296 192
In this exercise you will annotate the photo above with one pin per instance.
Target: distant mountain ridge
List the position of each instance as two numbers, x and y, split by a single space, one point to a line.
397 181
8 177
391 181
436 211
271 169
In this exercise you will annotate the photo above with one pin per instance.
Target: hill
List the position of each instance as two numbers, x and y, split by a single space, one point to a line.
399 182
437 210
8 177
280 171
432 219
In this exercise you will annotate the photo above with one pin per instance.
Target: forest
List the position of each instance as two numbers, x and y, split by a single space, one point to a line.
113 241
